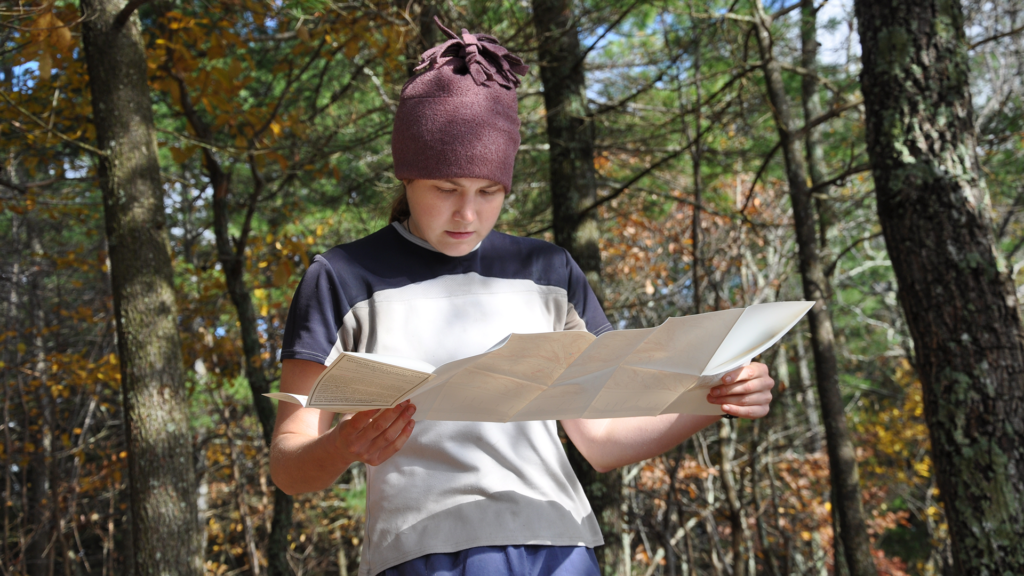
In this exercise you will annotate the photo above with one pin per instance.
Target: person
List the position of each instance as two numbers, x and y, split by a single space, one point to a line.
438 284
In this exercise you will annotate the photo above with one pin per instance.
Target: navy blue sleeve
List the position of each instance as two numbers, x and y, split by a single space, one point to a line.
315 315
582 298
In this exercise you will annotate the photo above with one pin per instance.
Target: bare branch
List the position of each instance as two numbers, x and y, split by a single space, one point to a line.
43 125
612 26
832 113
832 267
983 41
19 189
127 11
817 188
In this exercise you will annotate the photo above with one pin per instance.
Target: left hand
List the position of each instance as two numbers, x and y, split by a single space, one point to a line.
745 392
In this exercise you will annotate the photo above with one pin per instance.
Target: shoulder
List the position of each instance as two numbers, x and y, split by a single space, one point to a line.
360 253
531 252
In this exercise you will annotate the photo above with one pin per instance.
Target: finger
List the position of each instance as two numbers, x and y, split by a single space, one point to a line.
748 372
748 412
389 450
356 421
391 432
366 425
745 387
744 399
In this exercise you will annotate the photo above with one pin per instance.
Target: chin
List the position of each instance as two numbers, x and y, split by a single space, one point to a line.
456 252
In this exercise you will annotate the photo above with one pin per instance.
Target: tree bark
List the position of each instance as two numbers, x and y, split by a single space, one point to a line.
842 458
570 132
811 99
165 528
959 303
573 186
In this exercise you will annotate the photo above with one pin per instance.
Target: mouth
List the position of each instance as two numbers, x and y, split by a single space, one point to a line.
458 235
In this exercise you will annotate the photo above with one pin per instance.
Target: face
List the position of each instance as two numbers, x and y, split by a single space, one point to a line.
454 214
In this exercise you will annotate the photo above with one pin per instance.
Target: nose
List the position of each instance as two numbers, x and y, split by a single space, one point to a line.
465 207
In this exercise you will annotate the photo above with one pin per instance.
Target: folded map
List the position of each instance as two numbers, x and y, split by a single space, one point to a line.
562 375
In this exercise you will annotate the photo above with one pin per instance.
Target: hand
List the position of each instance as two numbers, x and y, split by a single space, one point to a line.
745 392
372 438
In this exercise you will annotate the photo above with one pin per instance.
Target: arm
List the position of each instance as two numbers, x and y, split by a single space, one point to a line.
613 442
307 454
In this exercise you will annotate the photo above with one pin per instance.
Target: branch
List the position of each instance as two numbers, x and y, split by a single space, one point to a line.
996 37
20 189
805 72
785 11
618 192
43 125
127 11
841 177
832 113
760 172
832 267
725 16
583 55
24 188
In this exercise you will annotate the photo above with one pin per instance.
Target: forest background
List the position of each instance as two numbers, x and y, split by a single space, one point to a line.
654 148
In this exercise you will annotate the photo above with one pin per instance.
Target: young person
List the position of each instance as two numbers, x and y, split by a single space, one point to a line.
438 284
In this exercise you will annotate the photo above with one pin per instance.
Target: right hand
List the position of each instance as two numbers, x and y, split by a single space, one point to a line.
372 438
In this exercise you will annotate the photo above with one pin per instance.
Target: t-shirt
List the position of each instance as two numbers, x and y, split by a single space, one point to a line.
454 485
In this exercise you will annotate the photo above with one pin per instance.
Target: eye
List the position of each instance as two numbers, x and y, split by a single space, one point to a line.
491 191
445 190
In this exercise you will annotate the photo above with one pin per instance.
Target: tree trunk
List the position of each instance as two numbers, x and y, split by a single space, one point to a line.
425 34
737 519
231 256
161 476
811 99
573 187
842 458
232 261
810 402
959 303
570 132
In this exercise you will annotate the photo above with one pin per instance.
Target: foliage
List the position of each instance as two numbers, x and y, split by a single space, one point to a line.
292 101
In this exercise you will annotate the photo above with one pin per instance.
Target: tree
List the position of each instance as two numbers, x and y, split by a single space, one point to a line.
960 303
570 134
842 459
163 487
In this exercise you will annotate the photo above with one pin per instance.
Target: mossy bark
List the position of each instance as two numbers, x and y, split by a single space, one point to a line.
960 304
162 482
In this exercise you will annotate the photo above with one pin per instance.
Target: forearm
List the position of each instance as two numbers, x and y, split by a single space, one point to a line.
304 463
613 442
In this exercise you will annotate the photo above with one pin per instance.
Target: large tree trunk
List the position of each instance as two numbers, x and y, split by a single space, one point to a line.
960 305
161 476
573 187
842 458
570 132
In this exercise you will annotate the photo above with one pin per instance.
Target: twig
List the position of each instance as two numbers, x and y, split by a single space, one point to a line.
126 12
42 125
832 267
996 37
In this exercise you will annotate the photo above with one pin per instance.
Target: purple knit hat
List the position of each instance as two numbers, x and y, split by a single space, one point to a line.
460 117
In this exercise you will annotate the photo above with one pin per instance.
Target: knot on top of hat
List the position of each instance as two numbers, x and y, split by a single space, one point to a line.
484 58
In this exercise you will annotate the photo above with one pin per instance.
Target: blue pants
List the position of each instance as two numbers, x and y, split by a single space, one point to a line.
503 561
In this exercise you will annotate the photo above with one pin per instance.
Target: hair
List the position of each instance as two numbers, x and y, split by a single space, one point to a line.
400 207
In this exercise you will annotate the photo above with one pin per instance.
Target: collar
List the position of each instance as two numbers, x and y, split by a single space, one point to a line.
403 229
